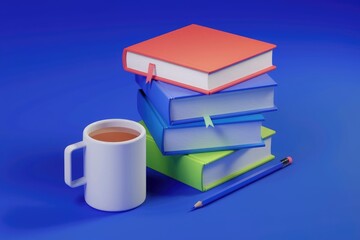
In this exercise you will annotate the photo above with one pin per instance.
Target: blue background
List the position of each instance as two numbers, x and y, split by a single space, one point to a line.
60 69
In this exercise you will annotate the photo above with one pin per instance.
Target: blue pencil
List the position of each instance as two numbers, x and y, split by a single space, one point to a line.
244 182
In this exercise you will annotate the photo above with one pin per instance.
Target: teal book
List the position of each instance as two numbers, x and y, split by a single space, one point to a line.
207 170
226 134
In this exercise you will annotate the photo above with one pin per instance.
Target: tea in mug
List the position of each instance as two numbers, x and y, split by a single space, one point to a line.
114 134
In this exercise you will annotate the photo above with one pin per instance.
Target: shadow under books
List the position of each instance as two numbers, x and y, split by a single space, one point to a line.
161 185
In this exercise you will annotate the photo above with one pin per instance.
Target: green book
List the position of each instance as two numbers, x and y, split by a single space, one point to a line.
204 171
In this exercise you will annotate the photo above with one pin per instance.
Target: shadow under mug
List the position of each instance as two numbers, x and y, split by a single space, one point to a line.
114 172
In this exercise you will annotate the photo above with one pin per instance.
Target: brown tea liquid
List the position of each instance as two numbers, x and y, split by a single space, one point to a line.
114 134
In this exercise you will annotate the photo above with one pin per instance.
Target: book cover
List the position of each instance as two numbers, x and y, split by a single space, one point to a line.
200 58
204 171
227 133
178 105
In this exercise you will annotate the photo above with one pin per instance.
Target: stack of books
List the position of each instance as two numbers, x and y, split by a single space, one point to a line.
202 92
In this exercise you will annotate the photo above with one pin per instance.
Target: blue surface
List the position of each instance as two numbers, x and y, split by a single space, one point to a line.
60 69
243 182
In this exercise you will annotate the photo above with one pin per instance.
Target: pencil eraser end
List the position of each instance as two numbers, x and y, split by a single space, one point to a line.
290 159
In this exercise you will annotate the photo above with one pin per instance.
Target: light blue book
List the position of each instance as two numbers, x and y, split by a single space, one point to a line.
227 134
178 105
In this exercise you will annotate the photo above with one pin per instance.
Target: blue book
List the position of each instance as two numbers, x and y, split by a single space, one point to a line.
178 105
227 133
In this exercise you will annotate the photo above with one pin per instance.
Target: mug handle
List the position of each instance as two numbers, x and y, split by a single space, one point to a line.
67 165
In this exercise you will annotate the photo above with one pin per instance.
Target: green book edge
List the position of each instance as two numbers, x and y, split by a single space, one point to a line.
238 173
175 166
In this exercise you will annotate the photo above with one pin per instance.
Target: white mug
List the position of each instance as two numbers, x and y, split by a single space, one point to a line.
114 172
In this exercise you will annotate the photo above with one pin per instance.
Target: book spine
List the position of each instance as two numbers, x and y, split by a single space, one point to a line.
156 96
154 122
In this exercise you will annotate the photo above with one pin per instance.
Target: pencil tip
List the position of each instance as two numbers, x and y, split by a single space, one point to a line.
196 206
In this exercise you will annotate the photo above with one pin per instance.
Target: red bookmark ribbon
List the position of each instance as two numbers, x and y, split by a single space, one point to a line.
150 73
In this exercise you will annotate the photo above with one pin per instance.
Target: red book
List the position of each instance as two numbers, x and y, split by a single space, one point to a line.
199 58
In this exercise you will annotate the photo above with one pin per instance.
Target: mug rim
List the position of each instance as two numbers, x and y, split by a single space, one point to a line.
87 131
